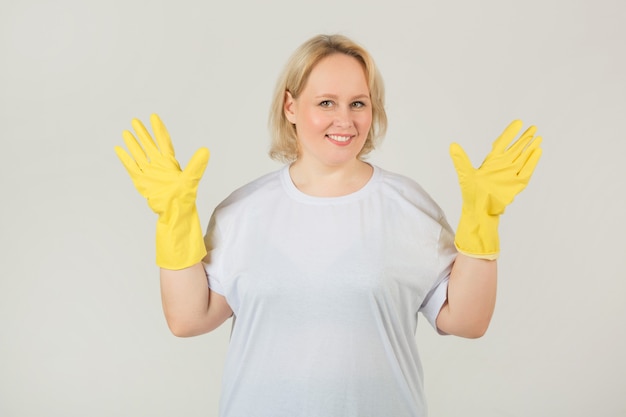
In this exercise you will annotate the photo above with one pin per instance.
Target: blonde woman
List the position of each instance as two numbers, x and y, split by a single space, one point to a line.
326 262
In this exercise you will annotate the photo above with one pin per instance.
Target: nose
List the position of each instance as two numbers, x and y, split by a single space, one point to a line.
343 117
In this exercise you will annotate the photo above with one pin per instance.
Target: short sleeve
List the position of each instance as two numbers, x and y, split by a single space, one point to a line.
446 254
212 262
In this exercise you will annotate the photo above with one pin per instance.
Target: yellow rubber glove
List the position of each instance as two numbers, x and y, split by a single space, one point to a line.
170 191
486 191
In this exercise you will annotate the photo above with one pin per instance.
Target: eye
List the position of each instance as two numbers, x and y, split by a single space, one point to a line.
326 103
358 104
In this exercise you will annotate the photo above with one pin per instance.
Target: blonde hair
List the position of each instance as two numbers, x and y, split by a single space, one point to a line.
284 146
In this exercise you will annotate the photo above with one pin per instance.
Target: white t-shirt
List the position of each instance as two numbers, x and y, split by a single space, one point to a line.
326 292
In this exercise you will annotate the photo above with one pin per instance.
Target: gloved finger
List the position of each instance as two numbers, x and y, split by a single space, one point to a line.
524 139
517 149
135 149
460 159
148 144
128 162
506 137
162 136
197 164
536 143
532 159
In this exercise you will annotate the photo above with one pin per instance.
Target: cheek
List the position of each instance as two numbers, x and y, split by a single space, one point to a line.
318 121
365 120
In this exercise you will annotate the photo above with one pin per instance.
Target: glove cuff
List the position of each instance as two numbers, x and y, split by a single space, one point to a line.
179 238
477 235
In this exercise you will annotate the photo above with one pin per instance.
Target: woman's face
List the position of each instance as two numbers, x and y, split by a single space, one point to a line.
333 114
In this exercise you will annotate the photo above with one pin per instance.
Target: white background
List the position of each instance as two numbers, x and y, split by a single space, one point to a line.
81 327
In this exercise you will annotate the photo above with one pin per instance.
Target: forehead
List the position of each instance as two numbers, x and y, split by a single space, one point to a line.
338 72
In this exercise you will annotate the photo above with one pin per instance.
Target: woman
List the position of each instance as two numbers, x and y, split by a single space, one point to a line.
326 262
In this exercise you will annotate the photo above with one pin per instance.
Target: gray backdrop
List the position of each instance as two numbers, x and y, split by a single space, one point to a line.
82 332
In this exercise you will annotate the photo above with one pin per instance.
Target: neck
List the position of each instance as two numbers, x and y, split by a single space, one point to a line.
325 181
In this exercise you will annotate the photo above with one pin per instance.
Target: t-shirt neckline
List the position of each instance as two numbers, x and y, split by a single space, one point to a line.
298 195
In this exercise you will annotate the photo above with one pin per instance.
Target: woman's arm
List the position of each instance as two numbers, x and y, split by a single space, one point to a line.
471 297
486 191
190 307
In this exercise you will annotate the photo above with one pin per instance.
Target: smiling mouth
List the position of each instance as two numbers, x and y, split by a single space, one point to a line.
339 138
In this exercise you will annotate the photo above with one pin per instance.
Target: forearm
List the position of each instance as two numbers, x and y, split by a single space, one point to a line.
471 297
190 307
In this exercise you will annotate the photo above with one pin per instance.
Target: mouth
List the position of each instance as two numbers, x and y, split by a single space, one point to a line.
340 139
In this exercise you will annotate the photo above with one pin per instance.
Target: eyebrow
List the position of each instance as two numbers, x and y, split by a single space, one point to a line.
334 96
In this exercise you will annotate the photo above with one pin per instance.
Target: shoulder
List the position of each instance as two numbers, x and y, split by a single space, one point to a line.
403 190
254 189
255 194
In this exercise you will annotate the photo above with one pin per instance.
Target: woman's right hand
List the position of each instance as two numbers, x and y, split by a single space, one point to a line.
170 191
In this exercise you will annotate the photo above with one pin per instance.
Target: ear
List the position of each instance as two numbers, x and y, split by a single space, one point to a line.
289 107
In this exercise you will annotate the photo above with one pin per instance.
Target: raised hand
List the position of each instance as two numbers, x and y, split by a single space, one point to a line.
170 191
487 190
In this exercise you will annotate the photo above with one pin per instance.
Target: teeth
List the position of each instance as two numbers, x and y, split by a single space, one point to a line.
339 138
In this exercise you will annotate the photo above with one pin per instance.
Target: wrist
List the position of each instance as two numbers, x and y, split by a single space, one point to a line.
179 238
477 235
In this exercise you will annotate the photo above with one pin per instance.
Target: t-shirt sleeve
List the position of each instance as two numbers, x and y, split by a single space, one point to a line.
434 301
212 262
437 296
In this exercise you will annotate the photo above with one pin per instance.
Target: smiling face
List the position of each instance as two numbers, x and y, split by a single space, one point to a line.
333 114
